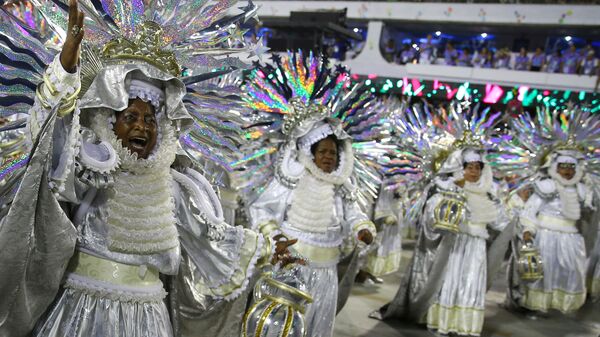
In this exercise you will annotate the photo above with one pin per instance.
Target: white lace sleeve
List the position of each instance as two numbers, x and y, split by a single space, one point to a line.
528 218
355 218
268 211
220 258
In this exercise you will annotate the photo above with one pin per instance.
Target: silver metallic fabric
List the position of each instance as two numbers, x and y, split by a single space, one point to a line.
448 271
37 240
71 316
59 210
593 272
322 284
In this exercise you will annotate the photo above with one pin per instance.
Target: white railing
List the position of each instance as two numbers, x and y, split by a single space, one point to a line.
520 14
370 62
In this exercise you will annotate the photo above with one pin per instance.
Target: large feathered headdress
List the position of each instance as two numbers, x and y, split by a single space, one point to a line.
188 39
535 139
430 137
292 98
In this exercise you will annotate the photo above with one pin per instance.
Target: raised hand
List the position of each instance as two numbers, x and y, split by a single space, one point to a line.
69 56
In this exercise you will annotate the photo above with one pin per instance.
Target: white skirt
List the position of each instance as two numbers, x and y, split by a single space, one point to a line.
81 313
563 286
385 259
322 284
460 304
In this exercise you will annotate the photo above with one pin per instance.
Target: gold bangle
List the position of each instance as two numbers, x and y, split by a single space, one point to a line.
42 98
50 85
72 96
289 289
66 109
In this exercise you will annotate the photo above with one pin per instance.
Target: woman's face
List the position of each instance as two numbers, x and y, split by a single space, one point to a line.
566 170
136 127
326 155
472 172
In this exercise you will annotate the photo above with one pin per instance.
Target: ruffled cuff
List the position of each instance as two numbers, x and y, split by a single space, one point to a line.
59 88
249 254
269 228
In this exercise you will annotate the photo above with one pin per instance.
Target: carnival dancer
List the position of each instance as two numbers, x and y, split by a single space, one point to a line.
388 216
312 198
558 218
452 267
107 206
551 214
517 200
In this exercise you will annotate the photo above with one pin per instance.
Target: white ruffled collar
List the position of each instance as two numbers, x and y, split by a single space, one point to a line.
337 177
161 157
553 173
484 184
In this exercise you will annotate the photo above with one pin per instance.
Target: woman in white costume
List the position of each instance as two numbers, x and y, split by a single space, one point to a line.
452 265
389 216
106 210
593 272
311 198
460 304
551 215
560 218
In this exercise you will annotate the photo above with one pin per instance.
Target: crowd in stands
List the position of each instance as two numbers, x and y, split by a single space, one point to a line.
568 61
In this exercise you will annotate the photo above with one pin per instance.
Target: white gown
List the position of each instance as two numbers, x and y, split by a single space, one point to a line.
562 249
385 258
321 225
593 276
460 303
123 225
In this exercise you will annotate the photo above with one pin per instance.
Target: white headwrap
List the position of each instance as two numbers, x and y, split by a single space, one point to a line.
564 159
320 132
148 92
471 156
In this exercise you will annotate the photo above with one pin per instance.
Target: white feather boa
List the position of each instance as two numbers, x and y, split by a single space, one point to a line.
482 209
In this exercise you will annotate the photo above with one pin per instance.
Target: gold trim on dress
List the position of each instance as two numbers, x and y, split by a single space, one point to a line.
289 289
